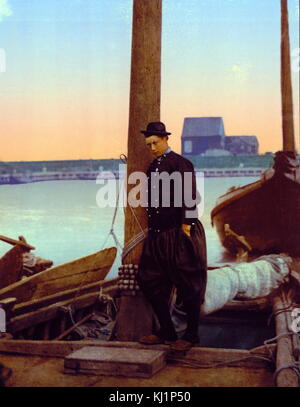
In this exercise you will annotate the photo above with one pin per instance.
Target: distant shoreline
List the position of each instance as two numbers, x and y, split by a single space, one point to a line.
21 172
27 178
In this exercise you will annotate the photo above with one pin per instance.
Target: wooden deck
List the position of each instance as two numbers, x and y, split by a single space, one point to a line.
48 370
34 371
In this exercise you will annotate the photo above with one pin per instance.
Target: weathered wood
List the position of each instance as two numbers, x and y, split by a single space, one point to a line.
134 318
7 304
204 355
67 331
144 108
289 298
110 287
14 242
46 330
250 305
286 375
52 311
144 100
30 332
63 323
85 270
269 226
11 266
115 361
286 82
215 320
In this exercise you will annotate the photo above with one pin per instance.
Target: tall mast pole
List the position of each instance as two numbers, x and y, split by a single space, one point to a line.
135 317
286 83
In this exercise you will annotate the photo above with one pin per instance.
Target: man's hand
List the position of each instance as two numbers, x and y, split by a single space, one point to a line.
186 229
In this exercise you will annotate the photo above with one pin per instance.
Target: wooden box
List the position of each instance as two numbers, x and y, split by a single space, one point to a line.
94 360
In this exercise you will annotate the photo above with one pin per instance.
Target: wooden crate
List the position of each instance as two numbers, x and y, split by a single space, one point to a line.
94 360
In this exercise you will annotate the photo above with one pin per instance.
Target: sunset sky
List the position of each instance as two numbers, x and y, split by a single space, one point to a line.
65 71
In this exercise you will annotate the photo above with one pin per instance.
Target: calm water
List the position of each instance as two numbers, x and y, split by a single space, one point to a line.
62 219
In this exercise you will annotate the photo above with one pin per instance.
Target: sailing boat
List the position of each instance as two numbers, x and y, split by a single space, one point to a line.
267 212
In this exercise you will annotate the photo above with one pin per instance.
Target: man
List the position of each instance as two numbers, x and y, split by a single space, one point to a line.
174 253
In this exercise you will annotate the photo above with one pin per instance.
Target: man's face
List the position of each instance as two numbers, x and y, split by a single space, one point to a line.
157 145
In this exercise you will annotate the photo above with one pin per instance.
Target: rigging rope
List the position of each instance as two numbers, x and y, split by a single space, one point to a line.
137 238
125 250
112 232
281 310
294 366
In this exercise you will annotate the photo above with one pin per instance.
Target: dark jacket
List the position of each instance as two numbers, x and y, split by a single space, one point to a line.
170 202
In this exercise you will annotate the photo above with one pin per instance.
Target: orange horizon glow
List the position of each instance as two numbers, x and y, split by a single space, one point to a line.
33 135
65 92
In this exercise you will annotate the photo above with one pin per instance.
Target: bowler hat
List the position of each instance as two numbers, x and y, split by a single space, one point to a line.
155 129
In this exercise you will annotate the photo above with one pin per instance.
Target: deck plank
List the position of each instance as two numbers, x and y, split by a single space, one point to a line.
32 371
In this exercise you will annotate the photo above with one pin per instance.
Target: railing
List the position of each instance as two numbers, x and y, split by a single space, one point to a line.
230 172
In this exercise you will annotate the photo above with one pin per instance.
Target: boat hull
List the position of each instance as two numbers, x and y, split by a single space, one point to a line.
266 213
77 273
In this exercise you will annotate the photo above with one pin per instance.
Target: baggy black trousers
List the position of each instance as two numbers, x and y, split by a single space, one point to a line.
171 258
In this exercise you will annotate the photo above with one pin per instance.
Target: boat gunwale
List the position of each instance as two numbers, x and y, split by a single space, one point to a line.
237 194
40 275
249 188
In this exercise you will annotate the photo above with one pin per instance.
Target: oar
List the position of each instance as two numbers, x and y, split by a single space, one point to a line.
14 242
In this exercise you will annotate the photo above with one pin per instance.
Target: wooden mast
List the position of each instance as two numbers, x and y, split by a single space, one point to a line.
135 317
286 375
286 83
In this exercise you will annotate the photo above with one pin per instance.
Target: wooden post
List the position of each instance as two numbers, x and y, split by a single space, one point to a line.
135 317
286 375
11 265
286 83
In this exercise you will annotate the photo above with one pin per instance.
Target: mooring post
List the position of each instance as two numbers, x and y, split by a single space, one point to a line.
286 373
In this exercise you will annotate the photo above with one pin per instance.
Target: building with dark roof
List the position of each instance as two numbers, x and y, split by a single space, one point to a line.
242 145
201 135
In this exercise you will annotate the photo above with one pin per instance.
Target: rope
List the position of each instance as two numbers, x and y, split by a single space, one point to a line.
111 232
134 242
106 298
287 333
140 236
294 366
137 238
195 364
279 311
123 158
70 310
128 247
253 355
